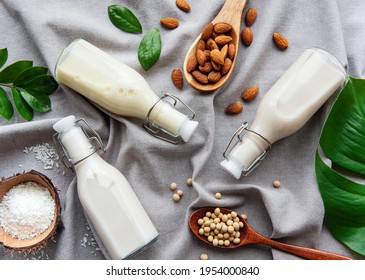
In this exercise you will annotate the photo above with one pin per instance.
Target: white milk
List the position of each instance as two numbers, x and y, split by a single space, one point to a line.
118 88
287 106
109 202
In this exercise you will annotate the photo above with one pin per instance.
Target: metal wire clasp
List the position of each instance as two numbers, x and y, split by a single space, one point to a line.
239 134
159 132
95 140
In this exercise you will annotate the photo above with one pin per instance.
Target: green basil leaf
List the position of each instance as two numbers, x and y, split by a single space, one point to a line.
9 73
124 19
3 56
29 74
149 49
21 105
343 143
40 102
41 84
6 108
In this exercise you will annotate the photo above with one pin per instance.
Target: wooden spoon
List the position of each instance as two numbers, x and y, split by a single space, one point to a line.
250 236
231 13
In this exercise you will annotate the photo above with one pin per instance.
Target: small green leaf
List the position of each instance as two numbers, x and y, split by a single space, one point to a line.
3 56
41 84
9 73
37 100
124 19
149 49
6 108
23 108
29 74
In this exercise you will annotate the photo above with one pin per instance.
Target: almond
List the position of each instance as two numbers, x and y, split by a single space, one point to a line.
216 56
214 35
224 51
226 66
250 93
216 66
247 36
207 31
206 68
200 56
250 16
211 44
170 23
234 108
183 5
222 27
231 50
177 78
207 54
201 45
214 76
200 77
223 39
192 64
280 41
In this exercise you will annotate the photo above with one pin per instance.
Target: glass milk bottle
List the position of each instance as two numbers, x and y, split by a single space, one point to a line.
285 108
109 202
121 90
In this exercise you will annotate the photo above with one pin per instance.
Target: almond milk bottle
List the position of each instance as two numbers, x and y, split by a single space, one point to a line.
116 214
285 108
121 90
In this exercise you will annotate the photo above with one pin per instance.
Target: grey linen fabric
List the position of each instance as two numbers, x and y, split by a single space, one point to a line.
293 213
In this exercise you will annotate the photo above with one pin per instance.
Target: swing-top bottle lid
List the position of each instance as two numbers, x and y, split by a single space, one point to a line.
187 129
64 123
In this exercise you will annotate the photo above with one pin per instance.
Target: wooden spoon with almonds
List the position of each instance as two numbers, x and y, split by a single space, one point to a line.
230 13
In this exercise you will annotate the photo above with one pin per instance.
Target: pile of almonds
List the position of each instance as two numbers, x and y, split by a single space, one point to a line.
214 54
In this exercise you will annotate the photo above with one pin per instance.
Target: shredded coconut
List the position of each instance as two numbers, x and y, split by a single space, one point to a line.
26 210
45 154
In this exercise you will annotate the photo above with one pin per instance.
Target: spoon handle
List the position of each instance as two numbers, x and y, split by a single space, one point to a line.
231 12
307 253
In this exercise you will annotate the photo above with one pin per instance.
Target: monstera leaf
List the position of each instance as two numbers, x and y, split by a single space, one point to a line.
343 145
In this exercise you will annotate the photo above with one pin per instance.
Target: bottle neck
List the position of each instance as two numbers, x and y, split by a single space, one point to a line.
76 144
249 150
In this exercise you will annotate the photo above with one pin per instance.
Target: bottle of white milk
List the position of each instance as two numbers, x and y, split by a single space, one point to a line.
109 202
121 90
285 108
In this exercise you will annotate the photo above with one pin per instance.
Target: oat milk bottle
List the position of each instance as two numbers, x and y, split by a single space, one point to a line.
285 108
121 90
110 204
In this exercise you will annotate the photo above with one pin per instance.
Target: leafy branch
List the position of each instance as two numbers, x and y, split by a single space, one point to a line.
30 87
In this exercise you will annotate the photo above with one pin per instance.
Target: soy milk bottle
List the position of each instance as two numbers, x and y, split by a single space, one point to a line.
108 200
285 108
121 90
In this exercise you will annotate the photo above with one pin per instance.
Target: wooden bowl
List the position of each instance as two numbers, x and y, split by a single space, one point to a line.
40 240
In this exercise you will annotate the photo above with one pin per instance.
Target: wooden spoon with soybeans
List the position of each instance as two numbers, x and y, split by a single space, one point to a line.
230 13
250 236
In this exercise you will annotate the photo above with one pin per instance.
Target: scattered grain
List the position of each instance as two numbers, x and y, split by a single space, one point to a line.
176 197
204 256
173 186
276 183
218 195
189 182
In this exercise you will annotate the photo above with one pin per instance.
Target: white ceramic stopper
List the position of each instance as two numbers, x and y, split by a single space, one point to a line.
187 129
